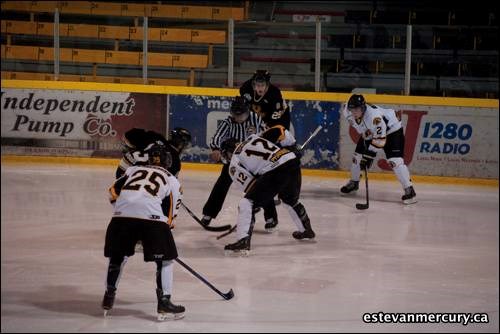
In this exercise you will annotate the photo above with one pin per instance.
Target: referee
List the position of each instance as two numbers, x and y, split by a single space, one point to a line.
240 124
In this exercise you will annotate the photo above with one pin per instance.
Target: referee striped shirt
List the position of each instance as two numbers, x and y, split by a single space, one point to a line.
240 131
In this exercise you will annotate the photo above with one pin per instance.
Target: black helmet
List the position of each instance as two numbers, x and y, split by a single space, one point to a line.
181 138
261 76
356 101
158 155
134 139
227 148
229 145
239 109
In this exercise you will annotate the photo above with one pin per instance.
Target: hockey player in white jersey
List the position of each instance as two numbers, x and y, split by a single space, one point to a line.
380 129
146 200
264 168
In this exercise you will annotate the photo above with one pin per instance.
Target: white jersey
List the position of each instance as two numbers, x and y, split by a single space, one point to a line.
256 156
375 125
147 192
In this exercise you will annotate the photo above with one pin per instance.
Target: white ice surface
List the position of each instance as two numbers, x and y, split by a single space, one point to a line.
440 255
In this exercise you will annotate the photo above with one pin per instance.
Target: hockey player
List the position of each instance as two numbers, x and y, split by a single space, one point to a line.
264 169
135 141
380 129
146 199
239 125
265 99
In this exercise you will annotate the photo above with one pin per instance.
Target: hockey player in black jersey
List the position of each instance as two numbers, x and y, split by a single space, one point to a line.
265 99
136 140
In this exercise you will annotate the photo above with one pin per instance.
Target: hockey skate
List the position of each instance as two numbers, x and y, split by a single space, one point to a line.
240 247
108 300
350 187
409 197
308 232
205 221
271 225
167 310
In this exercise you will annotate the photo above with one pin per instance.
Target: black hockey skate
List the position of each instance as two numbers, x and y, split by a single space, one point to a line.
271 225
350 187
308 232
240 247
108 299
205 221
409 197
167 310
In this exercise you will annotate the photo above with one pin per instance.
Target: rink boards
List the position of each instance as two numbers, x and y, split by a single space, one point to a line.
450 137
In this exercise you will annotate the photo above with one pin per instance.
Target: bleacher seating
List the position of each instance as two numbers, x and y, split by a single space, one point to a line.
366 39
115 32
103 56
89 78
127 9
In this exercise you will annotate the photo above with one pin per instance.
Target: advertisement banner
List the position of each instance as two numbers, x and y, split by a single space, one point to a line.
201 116
440 141
79 115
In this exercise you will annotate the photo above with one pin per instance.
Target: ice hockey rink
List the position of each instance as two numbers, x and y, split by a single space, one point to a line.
439 255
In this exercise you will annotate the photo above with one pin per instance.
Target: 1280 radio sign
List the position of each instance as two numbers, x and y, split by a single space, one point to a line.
449 131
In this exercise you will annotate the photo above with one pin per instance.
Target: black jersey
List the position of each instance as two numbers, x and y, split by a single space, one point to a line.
270 107
140 139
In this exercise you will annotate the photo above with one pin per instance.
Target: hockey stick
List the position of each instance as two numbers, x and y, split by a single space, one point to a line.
226 233
228 295
278 201
315 132
206 227
364 206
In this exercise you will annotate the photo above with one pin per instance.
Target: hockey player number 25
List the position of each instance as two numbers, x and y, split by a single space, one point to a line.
134 183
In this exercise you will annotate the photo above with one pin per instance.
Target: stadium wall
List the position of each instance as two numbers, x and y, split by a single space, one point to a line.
454 137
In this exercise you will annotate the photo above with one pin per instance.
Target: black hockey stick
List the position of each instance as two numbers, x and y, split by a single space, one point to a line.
364 206
228 295
226 233
278 201
206 227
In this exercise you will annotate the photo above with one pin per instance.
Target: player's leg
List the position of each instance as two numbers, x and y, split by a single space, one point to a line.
394 150
353 184
260 194
159 246
244 229
271 217
164 282
119 245
290 194
115 268
217 196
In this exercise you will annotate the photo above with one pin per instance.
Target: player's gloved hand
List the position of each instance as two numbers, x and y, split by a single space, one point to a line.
215 155
295 149
247 97
367 160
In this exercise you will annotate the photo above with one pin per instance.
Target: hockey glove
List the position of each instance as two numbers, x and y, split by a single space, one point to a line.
367 160
248 97
295 149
